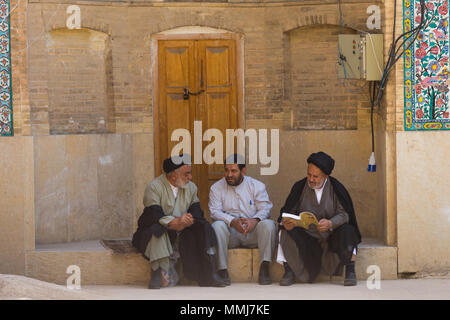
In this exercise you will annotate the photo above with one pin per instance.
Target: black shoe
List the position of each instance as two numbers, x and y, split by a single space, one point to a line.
216 280
264 274
288 277
350 275
223 274
155 280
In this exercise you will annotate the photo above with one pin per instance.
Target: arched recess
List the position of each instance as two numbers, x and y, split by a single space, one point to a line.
80 82
314 95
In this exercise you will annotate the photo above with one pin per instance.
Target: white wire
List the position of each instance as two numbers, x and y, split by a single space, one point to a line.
373 50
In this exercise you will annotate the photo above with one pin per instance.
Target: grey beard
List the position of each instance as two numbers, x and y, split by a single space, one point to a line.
181 185
316 188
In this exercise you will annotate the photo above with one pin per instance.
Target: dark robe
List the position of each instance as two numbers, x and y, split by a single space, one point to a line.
194 241
341 241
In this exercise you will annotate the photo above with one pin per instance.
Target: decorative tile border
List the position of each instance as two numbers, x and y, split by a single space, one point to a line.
6 115
426 68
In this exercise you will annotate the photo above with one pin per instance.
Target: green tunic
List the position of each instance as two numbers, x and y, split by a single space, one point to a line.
159 192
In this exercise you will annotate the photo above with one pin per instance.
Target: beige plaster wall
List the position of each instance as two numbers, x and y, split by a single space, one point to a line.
423 201
90 186
16 203
351 151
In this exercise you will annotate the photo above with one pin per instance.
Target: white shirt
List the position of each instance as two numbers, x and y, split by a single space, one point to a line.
174 190
320 191
246 200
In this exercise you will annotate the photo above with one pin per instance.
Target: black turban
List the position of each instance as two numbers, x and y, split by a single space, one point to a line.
175 162
323 161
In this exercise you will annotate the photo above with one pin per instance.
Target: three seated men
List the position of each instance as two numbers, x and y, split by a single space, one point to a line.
173 225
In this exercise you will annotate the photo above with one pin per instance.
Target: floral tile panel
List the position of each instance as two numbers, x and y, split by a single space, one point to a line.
6 127
426 67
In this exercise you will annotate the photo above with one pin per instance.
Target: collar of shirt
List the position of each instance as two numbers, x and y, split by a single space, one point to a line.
320 191
174 190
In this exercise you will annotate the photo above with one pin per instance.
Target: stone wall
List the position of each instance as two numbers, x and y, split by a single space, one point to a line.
423 201
278 93
16 203
89 186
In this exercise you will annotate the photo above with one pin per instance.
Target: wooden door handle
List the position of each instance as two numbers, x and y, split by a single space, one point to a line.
187 93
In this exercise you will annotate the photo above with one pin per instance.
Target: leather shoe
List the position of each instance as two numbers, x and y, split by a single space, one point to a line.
155 280
223 274
350 275
215 280
264 274
288 277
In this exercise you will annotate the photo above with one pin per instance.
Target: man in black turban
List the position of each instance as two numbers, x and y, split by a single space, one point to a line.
328 246
173 225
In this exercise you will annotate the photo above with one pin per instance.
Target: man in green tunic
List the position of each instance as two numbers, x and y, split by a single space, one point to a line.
173 222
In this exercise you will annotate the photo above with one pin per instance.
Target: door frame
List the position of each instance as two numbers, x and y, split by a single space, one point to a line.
239 40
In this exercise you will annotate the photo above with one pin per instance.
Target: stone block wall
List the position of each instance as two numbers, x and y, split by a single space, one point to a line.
114 53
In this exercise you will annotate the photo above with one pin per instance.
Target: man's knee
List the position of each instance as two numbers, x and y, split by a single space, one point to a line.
345 228
220 227
266 226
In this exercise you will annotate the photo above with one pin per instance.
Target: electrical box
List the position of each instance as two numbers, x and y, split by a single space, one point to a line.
360 56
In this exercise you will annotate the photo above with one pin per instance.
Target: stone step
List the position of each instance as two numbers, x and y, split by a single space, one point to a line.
101 266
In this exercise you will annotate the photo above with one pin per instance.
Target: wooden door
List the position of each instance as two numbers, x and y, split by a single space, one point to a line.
207 68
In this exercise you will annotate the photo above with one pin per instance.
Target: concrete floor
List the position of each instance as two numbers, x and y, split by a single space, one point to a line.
421 289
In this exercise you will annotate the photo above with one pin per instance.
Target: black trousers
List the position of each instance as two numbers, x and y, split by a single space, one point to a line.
341 241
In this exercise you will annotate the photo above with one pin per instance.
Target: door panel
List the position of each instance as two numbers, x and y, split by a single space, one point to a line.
207 69
217 66
176 70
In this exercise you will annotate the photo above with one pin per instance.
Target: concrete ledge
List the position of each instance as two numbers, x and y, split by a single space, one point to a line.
375 254
97 264
15 287
100 266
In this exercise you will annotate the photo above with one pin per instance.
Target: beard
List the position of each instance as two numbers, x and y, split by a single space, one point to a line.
317 185
235 182
181 184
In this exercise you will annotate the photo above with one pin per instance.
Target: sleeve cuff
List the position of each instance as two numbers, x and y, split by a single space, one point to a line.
335 222
166 220
228 220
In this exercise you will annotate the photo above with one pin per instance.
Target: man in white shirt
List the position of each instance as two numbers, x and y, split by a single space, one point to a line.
241 208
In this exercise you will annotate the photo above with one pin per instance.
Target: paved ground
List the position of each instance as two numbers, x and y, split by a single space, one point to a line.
390 289
14 287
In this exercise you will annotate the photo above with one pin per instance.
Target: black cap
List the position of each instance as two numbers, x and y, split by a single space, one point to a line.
323 161
175 162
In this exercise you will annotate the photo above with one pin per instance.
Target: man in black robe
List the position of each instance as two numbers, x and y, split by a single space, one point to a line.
333 243
173 225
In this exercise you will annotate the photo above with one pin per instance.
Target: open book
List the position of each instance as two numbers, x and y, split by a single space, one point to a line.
304 219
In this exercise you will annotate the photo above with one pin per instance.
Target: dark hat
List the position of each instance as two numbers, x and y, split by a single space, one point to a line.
173 163
323 161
